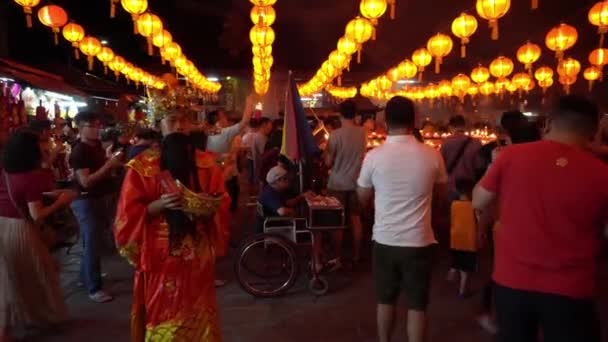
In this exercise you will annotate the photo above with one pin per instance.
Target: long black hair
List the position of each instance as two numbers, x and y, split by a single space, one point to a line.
177 156
22 152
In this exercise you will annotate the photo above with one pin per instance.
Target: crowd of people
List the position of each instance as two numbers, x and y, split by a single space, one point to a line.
537 199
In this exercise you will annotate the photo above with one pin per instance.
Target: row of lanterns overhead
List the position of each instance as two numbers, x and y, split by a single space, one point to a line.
56 18
262 36
358 31
559 40
341 93
150 26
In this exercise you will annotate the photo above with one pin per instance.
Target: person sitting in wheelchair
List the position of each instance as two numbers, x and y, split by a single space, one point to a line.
276 199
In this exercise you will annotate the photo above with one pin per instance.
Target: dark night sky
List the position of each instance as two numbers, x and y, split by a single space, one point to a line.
214 33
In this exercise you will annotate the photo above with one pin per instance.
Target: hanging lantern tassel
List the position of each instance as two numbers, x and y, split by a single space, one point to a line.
463 47
602 30
359 54
90 61
117 75
150 47
76 53
374 32
437 64
112 8
420 74
339 80
55 36
494 28
135 17
590 85
28 17
393 4
534 4
567 89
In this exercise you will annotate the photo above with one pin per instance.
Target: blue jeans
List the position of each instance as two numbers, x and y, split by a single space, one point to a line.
92 217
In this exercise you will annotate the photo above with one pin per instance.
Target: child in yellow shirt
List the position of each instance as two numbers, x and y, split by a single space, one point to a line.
463 236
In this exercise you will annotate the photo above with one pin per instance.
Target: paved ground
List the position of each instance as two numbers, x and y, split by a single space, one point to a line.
345 314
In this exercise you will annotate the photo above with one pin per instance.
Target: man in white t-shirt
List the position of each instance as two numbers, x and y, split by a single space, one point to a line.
403 174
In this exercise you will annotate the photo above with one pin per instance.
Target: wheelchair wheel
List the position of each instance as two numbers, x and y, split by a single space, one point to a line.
267 265
318 286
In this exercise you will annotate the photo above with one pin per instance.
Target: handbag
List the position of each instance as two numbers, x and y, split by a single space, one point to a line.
48 235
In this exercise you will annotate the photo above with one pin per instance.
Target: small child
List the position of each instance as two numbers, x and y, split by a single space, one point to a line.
463 236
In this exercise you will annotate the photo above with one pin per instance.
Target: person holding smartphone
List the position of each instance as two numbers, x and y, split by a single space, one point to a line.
93 178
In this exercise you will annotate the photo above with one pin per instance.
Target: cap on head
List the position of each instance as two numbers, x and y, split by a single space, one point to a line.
275 174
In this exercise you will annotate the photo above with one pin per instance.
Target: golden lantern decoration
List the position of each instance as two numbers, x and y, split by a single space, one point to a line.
440 45
113 8
592 74
598 16
568 67
329 70
464 27
445 88
261 51
338 60
502 83
487 88
148 25
527 54
599 58
393 74
261 35
263 15
543 73
171 51
473 90
162 38
461 82
105 55
407 69
480 74
347 45
135 8
422 58
359 30
180 62
521 80
534 4
384 83
28 5
73 33
501 67
263 2
492 10
90 47
373 10
567 81
546 84
116 65
54 17
561 38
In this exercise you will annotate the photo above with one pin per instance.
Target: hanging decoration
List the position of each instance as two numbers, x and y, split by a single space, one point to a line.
598 16
599 58
90 47
439 46
464 27
263 15
534 4
492 10
373 10
54 17
28 5
528 54
480 74
262 36
148 25
543 73
568 70
546 84
135 8
73 33
501 67
422 58
561 38
592 74
105 56
341 93
360 30
117 64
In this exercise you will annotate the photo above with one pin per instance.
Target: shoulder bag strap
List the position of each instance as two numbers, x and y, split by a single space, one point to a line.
458 156
10 196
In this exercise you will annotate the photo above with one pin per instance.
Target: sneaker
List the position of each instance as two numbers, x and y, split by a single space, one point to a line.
335 265
100 297
487 324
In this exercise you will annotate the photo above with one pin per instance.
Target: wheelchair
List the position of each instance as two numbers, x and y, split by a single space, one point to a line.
268 264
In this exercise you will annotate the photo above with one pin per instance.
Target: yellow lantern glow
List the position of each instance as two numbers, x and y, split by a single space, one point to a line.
569 67
263 15
338 60
592 74
567 81
27 9
116 65
464 27
528 54
598 16
480 74
384 83
105 56
545 84
486 88
171 51
422 58
73 33
492 10
543 73
599 57
135 8
359 30
501 83
461 82
261 35
439 46
521 80
162 38
473 90
347 45
90 46
263 2
407 69
373 10
261 51
445 88
561 38
393 74
54 17
148 25
501 67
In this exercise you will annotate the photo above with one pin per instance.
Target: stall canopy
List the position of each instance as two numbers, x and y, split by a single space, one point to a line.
37 78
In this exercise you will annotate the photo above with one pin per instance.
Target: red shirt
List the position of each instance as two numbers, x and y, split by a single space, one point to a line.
553 201
25 188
